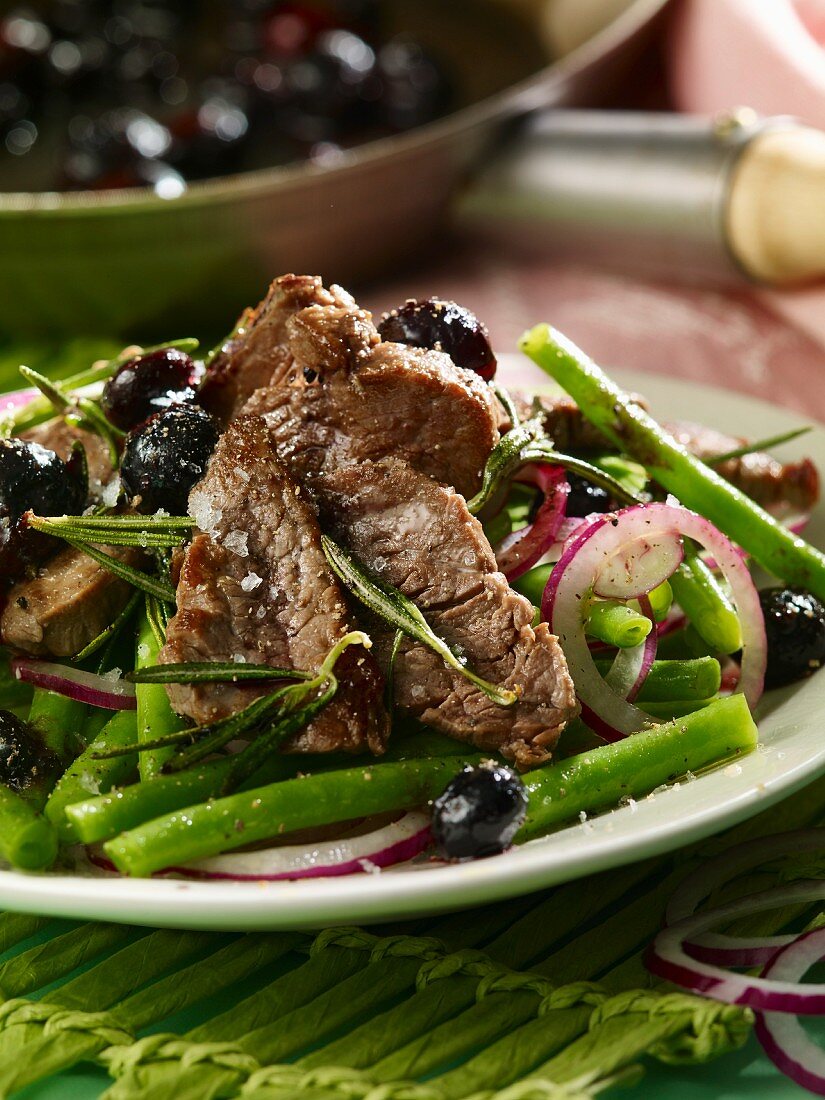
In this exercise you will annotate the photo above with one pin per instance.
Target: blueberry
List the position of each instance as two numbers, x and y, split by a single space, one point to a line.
480 811
795 626
586 497
20 753
32 477
165 457
148 384
443 326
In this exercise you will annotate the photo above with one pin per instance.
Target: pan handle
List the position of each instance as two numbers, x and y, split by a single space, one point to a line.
689 198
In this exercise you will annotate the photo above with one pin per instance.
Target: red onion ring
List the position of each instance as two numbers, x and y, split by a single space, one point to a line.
522 549
393 843
782 1036
578 572
714 947
667 957
74 683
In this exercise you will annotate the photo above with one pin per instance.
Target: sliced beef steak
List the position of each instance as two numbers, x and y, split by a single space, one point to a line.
70 601
257 353
781 487
255 586
350 397
778 486
418 536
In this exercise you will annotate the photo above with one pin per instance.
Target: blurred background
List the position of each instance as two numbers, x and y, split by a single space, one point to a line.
160 162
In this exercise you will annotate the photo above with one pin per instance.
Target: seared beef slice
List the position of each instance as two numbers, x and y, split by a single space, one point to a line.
419 537
70 601
332 369
371 429
255 586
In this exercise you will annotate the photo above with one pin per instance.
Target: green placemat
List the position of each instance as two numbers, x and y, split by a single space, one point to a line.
544 997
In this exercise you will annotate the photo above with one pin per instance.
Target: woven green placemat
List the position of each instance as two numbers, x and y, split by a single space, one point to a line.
544 997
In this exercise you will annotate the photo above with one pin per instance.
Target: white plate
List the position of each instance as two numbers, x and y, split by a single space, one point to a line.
792 753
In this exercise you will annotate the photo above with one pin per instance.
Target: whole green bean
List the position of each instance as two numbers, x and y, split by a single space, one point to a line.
668 680
27 840
696 485
58 723
533 583
632 767
86 774
701 598
226 823
661 600
92 819
617 624
676 708
155 717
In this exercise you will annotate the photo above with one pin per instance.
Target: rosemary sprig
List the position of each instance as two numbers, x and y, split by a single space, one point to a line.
136 577
143 532
111 631
394 608
40 409
157 614
275 717
206 672
79 410
389 691
759 445
507 403
527 443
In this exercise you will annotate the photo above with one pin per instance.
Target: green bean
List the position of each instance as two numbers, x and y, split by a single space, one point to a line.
669 680
226 823
58 723
700 596
87 774
617 624
676 708
92 819
533 583
155 717
27 840
697 486
661 601
15 695
636 765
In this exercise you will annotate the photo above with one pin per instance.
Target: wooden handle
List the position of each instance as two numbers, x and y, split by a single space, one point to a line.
776 206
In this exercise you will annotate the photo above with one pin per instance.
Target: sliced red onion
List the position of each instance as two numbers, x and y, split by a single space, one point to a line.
74 683
667 957
393 843
11 401
631 666
714 947
782 1036
640 566
522 549
579 570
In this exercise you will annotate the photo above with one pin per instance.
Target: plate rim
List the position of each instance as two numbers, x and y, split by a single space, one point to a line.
315 903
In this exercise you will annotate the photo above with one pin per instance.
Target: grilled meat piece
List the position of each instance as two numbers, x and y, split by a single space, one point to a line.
256 353
349 397
418 536
66 605
780 487
379 433
254 586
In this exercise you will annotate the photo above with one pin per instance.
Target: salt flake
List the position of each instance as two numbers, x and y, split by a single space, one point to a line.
250 582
